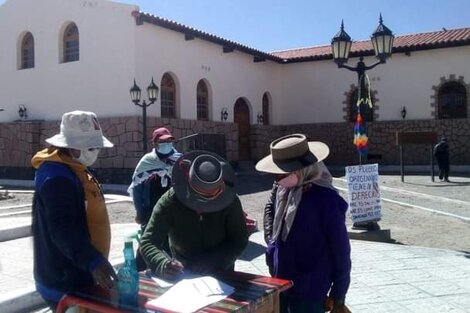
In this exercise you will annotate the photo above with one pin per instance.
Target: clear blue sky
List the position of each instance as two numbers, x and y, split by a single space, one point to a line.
284 24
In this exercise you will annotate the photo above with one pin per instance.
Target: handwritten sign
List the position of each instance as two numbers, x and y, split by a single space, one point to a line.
363 192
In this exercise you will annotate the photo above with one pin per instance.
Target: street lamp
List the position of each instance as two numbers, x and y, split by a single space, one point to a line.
382 41
152 94
223 114
22 111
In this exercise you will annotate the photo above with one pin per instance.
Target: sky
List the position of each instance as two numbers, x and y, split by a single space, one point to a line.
271 25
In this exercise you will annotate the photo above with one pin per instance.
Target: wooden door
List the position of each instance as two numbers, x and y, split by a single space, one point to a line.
241 116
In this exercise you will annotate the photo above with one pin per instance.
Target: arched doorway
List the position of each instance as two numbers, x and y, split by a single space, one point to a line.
241 116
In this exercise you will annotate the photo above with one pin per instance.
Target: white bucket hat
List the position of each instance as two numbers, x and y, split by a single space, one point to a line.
80 130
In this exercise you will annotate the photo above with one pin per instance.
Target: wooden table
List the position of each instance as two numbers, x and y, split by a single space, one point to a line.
253 293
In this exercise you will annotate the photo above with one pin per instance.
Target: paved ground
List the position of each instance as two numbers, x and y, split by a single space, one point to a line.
385 277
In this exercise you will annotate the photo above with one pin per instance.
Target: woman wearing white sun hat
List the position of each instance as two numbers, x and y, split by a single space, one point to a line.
71 231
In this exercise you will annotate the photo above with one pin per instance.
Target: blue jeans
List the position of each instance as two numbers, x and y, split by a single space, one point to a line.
292 305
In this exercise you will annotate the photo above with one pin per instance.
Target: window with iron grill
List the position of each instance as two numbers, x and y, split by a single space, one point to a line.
202 101
27 51
71 43
168 97
265 109
452 101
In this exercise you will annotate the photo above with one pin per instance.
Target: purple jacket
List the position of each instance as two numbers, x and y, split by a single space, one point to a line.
316 254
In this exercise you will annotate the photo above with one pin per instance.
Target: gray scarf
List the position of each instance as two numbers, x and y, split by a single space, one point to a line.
288 199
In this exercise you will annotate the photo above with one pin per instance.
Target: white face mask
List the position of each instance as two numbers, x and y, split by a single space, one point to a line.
88 156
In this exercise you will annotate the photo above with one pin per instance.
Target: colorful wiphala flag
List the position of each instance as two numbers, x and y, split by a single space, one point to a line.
360 137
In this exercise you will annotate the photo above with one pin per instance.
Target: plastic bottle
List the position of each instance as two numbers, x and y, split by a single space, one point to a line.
128 277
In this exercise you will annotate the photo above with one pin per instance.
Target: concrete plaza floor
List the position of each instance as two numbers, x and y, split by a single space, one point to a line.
385 277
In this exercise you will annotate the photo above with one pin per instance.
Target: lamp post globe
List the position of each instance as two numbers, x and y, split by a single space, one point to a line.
152 92
341 46
382 41
135 93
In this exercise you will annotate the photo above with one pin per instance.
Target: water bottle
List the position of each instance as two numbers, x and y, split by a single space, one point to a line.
128 278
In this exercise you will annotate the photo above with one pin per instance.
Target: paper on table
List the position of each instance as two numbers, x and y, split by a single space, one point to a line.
196 292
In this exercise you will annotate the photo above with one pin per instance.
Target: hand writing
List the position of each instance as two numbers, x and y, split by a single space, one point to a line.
173 269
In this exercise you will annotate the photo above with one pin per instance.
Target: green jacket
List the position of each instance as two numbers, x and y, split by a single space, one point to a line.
214 239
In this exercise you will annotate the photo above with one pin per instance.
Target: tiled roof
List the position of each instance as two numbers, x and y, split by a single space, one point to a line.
405 43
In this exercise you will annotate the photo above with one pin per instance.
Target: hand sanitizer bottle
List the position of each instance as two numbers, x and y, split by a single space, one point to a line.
128 278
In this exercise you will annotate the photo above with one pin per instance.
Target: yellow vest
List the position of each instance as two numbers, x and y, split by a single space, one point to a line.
96 212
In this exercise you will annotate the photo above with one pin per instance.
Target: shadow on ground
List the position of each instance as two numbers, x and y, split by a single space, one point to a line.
252 251
252 183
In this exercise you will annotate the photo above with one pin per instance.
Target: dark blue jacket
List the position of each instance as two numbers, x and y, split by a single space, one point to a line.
63 254
316 253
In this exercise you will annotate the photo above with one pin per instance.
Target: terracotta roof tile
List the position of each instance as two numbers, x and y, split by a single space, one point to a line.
412 42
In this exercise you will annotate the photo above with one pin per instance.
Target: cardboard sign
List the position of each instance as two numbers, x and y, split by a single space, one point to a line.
363 192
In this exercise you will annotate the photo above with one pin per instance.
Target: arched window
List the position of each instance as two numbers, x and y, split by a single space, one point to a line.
202 101
366 111
266 109
452 100
27 51
168 96
71 43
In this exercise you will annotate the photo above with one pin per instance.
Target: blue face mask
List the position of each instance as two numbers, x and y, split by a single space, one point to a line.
165 147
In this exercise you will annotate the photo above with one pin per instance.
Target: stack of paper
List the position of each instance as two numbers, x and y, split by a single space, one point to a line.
196 292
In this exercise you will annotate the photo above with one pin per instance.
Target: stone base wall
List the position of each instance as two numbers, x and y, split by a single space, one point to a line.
382 140
20 140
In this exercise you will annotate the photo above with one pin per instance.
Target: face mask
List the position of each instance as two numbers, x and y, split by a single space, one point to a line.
88 156
165 147
289 181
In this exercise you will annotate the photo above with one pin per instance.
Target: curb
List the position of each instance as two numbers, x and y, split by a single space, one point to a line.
15 233
23 300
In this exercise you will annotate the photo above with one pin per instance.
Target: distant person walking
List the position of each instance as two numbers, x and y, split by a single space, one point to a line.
441 153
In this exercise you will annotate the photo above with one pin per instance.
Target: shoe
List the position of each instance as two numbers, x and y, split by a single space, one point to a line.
446 180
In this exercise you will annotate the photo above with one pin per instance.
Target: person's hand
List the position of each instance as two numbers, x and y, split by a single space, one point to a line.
104 275
339 307
173 268
138 220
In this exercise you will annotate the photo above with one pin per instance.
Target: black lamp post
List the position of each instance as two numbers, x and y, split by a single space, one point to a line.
152 94
382 41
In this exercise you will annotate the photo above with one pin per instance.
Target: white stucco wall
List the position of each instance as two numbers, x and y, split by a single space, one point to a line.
314 92
229 75
99 81
114 50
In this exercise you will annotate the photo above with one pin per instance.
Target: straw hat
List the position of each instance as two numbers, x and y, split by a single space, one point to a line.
291 153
